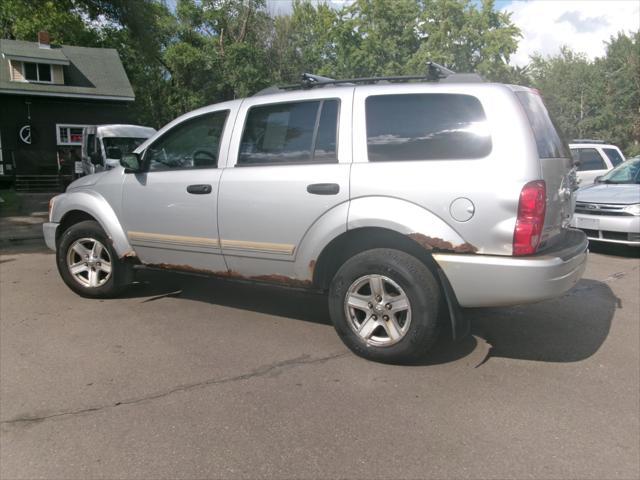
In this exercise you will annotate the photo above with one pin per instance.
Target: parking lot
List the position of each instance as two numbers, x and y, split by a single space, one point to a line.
191 378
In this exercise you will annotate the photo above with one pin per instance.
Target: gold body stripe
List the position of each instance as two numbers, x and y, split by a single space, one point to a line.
282 248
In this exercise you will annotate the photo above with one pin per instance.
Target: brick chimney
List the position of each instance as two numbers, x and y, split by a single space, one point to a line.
44 39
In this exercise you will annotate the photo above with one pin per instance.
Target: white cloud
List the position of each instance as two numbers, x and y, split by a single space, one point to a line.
582 25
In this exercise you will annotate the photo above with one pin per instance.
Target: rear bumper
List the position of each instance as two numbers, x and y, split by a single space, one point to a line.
487 281
49 231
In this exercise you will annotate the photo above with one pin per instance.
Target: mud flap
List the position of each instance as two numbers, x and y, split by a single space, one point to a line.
460 325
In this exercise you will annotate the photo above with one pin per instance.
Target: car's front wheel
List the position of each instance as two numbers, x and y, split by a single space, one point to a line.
88 263
384 305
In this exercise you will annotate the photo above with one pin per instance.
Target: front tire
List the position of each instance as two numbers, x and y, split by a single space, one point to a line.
384 304
88 264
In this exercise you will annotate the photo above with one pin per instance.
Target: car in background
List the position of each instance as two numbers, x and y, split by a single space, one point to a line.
609 210
104 145
594 158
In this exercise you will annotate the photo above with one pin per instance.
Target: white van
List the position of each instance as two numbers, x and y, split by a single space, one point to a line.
104 145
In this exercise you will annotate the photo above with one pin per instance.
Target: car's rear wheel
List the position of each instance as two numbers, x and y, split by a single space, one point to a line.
384 305
88 263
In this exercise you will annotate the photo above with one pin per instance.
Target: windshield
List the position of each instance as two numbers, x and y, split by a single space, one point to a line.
627 172
116 147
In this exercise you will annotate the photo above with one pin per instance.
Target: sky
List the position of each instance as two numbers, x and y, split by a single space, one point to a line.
583 25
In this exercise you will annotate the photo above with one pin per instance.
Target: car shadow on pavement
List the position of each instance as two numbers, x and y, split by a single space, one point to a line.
567 329
271 300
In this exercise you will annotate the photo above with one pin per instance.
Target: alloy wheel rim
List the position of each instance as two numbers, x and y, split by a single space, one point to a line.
89 262
378 310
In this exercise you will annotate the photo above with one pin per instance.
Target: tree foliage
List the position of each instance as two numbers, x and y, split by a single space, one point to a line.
203 51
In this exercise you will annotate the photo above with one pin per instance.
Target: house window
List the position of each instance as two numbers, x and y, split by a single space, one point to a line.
69 134
36 72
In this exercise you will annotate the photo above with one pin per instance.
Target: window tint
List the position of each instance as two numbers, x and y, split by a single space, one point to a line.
290 133
589 159
614 156
425 127
548 141
194 143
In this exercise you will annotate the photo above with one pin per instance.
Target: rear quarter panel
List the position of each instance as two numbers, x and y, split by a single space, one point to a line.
492 183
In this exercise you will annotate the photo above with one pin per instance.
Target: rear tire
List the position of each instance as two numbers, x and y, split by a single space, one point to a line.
88 264
384 304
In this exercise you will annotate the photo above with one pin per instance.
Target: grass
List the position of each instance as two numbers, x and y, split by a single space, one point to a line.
11 202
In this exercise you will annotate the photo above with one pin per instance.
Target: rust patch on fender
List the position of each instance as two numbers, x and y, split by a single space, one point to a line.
312 267
129 254
440 245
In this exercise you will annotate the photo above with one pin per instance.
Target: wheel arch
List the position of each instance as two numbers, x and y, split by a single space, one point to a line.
358 240
75 207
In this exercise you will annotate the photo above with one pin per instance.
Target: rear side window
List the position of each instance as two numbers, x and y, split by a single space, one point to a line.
548 141
296 132
426 127
588 159
614 156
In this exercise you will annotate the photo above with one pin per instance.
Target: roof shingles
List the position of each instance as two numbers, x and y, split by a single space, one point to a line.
91 73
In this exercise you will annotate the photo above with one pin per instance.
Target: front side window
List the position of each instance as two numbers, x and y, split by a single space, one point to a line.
297 132
614 156
588 159
426 127
91 143
195 143
116 147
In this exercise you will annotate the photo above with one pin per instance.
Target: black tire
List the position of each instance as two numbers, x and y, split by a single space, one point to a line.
112 284
417 283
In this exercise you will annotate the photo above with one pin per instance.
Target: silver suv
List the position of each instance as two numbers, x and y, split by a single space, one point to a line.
404 201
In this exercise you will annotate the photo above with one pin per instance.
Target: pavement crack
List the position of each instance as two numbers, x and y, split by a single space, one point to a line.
271 370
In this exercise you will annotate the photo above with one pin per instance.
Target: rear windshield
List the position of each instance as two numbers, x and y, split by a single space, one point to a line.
426 127
614 156
548 141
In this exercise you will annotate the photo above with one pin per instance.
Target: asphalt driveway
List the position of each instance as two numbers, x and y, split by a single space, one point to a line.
193 378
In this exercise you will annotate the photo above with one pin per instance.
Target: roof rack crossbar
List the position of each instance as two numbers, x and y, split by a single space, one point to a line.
435 72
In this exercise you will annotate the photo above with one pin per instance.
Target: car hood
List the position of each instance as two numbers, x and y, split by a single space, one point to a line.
624 194
88 180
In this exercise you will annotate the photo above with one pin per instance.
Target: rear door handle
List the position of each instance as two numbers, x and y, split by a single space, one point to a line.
199 189
323 188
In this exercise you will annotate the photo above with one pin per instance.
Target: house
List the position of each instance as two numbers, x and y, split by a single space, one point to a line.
48 93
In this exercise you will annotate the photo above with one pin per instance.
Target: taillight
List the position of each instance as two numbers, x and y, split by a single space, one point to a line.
530 221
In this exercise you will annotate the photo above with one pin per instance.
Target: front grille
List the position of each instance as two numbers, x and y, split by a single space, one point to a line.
600 209
615 235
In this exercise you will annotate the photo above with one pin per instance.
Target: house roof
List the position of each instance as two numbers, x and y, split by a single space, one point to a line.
95 73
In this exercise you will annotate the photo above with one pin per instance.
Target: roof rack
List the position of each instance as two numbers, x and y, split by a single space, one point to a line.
587 140
435 73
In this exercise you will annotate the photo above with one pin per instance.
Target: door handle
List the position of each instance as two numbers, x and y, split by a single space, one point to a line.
199 189
323 188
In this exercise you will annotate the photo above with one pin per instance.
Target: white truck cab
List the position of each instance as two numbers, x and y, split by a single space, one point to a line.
104 145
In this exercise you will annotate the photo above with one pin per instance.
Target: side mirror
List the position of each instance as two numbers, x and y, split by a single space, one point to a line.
96 158
598 179
131 163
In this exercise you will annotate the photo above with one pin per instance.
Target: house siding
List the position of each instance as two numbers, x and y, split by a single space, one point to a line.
43 114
